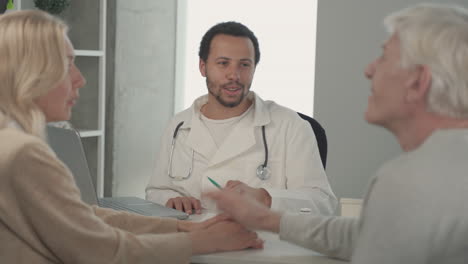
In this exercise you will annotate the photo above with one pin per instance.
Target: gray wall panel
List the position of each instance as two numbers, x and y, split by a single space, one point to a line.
144 89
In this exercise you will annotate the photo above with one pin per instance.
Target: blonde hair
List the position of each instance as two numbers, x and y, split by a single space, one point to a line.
33 61
437 36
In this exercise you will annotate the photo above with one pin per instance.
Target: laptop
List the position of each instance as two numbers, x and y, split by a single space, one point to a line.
66 143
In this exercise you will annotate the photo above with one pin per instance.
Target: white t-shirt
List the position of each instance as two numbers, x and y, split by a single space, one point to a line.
220 129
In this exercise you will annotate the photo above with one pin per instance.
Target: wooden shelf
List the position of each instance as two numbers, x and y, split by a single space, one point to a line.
89 53
84 133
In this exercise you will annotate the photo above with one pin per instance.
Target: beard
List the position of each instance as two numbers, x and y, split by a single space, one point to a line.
231 104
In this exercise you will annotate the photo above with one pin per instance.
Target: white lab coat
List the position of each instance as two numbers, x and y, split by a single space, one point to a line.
297 178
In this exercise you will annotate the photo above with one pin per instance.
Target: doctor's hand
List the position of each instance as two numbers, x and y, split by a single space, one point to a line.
260 194
246 210
223 236
185 204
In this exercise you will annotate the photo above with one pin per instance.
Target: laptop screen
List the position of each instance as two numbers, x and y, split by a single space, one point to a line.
66 143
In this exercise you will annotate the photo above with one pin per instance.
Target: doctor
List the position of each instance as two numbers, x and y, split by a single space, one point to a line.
242 142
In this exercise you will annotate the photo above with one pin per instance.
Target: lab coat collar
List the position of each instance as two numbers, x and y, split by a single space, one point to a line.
261 115
241 138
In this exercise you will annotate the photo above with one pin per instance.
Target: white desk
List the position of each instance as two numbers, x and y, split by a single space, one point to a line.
275 251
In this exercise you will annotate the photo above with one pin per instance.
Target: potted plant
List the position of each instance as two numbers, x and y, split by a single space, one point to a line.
52 6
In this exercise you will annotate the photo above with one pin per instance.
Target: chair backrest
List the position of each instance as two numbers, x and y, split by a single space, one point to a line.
320 136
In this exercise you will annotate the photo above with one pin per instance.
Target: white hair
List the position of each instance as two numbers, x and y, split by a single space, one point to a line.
436 36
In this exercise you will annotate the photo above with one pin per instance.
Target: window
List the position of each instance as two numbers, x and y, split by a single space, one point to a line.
286 32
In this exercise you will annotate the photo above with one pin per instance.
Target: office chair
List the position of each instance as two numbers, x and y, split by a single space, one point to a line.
319 135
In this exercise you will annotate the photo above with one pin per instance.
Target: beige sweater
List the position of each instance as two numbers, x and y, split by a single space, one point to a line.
43 220
415 211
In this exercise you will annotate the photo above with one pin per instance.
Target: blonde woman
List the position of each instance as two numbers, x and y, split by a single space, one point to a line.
42 219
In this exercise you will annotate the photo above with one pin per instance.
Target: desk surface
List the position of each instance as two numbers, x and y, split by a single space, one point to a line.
275 251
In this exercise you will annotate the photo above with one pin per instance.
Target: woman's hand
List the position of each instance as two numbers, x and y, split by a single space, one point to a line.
223 236
187 226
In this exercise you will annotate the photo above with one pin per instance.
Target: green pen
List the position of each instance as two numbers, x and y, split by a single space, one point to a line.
214 183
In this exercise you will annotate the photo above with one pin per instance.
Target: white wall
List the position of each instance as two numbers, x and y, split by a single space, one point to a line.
286 35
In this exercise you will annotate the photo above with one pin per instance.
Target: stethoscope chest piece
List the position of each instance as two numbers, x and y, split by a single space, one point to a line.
263 172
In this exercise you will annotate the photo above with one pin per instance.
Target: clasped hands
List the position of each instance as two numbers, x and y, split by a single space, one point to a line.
221 233
218 233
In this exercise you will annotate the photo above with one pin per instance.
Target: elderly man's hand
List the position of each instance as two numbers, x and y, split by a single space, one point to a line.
258 194
246 210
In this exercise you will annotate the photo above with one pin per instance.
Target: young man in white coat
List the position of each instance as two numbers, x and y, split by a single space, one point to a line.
415 210
237 139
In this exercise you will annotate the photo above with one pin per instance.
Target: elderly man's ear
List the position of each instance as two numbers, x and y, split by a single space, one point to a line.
418 84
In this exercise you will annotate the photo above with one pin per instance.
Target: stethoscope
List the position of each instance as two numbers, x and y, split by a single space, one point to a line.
263 172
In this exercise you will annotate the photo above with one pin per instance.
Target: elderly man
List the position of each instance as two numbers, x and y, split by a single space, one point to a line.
415 210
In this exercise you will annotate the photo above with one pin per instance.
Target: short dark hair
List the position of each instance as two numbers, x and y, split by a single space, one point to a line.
227 28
